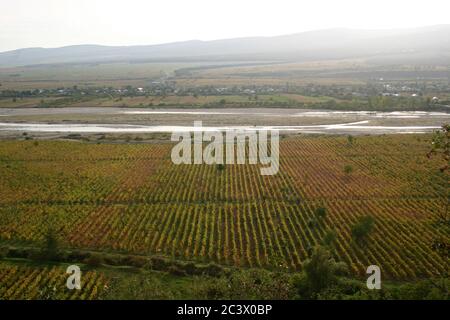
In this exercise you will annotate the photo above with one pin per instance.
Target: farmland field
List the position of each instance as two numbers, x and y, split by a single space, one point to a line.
237 159
131 199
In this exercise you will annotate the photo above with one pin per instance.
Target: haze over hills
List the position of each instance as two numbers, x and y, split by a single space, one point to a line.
423 45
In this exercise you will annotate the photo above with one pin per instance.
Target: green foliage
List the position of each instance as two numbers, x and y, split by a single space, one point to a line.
441 145
94 260
4 253
176 271
212 269
350 289
321 271
140 287
429 289
329 238
312 223
51 245
247 284
321 212
348 169
350 140
362 228
240 284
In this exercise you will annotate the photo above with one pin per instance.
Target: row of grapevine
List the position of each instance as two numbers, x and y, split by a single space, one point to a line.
37 283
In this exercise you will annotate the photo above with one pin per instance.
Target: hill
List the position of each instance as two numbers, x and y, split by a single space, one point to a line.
425 44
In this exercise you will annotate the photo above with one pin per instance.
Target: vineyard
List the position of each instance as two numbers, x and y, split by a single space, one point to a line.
130 198
27 283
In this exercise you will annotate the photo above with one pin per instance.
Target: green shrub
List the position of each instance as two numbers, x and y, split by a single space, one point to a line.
321 272
362 228
321 212
134 261
191 268
50 250
213 270
94 260
330 237
4 252
159 263
348 169
176 271
76 255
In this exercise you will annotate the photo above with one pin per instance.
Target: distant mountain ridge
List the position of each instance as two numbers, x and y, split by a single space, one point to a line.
426 43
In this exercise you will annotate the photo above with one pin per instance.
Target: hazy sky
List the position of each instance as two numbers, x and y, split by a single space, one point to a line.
53 23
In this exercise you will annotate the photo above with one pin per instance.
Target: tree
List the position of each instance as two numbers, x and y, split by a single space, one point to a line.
440 146
350 140
362 228
321 272
321 212
329 238
51 245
